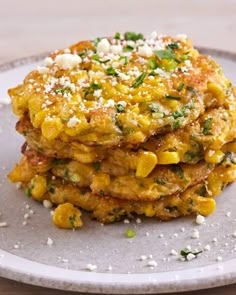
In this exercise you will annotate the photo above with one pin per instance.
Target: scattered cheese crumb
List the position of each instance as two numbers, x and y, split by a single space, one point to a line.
195 234
3 224
152 263
126 221
219 258
200 219
72 122
49 242
91 267
103 47
207 248
47 204
143 257
67 61
190 256
138 221
173 252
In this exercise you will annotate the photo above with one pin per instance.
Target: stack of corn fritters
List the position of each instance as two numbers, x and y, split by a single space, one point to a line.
126 125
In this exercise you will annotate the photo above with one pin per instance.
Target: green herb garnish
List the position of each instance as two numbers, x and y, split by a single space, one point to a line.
101 193
173 97
96 165
180 87
177 124
120 108
154 107
207 126
173 45
62 90
191 89
28 192
178 170
130 233
96 41
111 71
117 36
139 80
64 119
91 89
185 253
126 59
72 220
97 58
128 48
159 181
164 54
133 36
152 63
81 54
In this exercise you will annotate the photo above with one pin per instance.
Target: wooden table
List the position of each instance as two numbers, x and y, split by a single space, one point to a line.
32 27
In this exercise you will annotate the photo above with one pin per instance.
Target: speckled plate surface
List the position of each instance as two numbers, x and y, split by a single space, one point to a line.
25 255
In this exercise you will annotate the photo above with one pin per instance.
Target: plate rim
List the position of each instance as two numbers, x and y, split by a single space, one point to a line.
15 267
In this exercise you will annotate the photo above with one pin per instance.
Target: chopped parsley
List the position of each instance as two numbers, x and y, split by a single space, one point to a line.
91 89
62 90
185 253
173 97
97 58
178 171
111 71
177 114
173 45
180 87
164 54
64 119
159 181
133 36
154 107
207 126
96 165
152 63
177 124
126 59
81 54
101 193
130 233
72 220
117 36
120 108
28 192
128 48
96 41
191 89
139 80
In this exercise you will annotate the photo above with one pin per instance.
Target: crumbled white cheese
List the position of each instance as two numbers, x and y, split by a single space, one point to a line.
190 256
97 92
43 70
49 242
67 61
207 248
47 62
91 267
126 221
109 268
152 263
143 257
195 234
116 49
219 258
145 51
200 219
26 216
154 35
103 46
73 121
173 252
138 221
3 224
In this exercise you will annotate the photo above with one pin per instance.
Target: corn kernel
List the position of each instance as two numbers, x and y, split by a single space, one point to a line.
67 216
149 210
146 163
216 91
205 206
52 128
213 156
39 187
166 157
214 184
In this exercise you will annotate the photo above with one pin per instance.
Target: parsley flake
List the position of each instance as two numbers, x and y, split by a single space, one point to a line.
130 233
133 36
117 36
96 165
173 97
111 71
185 253
139 80
207 126
173 45
159 181
97 58
126 59
191 89
90 90
152 63
180 87
120 108
72 220
62 90
164 54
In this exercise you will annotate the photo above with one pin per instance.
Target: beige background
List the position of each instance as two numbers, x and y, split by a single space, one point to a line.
30 27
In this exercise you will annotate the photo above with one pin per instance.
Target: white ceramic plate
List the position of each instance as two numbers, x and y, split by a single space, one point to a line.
25 255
